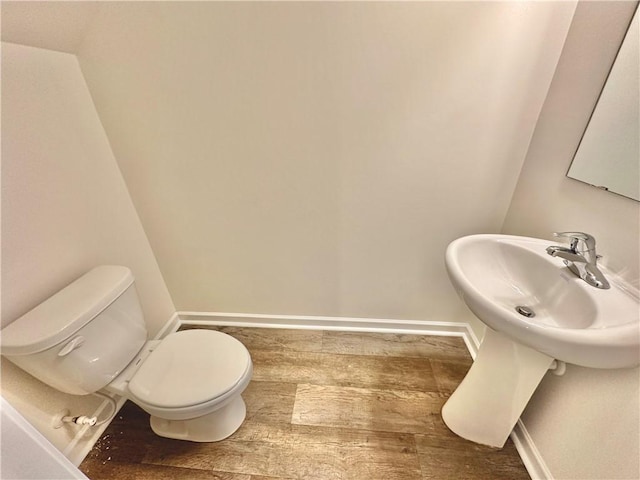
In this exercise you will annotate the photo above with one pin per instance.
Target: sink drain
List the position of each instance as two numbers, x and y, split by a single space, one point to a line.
525 311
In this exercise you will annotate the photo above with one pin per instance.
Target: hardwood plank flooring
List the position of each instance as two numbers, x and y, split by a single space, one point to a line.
344 370
322 405
365 408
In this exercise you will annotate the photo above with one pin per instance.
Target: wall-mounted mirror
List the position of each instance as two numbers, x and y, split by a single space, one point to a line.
608 156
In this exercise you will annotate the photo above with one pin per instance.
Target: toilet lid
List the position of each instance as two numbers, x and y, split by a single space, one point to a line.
189 368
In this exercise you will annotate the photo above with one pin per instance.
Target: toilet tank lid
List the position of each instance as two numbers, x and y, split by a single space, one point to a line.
60 316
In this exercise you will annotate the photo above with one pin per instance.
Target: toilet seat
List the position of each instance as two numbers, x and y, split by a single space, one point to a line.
191 373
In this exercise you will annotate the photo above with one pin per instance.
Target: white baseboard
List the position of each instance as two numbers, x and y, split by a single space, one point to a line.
529 453
171 326
346 324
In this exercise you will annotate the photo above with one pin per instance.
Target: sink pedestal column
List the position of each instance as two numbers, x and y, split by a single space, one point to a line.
487 404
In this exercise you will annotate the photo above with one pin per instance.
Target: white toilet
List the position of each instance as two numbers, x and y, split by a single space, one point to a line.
91 336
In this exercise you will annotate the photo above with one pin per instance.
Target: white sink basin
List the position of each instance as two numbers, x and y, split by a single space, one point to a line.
573 321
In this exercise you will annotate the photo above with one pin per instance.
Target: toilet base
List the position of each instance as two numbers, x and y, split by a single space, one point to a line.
212 427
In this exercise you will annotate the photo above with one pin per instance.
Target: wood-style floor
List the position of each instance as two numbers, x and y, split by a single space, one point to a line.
322 405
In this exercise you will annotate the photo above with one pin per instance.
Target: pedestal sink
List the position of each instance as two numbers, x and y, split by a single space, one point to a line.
536 311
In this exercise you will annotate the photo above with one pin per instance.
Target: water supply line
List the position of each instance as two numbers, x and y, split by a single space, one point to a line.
65 416
114 407
81 420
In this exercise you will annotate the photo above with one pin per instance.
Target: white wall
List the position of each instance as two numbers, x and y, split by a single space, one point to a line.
316 158
586 424
65 209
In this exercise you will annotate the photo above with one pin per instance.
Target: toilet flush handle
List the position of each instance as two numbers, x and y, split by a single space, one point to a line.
71 346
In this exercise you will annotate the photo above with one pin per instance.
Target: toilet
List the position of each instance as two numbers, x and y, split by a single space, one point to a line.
91 336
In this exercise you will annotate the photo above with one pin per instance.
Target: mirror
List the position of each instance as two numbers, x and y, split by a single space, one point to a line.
608 156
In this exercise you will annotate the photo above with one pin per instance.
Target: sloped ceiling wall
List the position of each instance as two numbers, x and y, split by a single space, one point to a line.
65 209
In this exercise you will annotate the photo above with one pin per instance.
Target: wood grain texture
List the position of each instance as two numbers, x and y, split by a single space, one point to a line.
125 471
269 402
448 374
272 338
395 344
322 405
366 409
344 370
444 455
292 451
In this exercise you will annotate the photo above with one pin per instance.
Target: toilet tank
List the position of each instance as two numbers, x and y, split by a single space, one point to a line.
82 337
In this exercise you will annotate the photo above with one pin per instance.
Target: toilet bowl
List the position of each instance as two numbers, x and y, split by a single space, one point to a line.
190 383
91 336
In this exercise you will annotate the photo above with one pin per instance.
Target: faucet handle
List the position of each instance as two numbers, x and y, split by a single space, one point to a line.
589 240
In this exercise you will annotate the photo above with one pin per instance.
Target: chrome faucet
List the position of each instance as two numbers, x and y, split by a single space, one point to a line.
581 257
